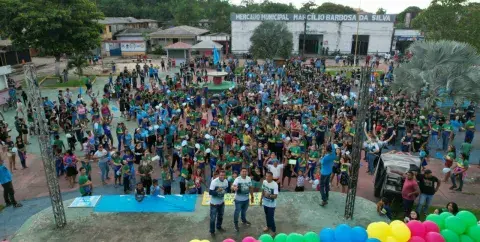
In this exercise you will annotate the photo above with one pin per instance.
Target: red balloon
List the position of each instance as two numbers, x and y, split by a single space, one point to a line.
416 228
431 227
416 239
434 237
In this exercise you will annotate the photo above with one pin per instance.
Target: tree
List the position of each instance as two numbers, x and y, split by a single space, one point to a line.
218 12
186 12
271 7
400 18
335 9
381 11
308 7
77 62
271 39
441 70
53 26
451 20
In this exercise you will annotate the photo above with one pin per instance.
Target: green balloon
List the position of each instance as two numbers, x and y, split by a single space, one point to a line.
474 233
280 237
445 215
294 237
467 218
455 224
465 238
437 220
450 236
265 238
311 237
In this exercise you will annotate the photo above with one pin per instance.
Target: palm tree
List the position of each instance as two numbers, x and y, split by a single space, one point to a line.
439 71
77 62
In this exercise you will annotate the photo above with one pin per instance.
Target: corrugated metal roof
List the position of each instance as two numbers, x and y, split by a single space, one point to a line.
124 20
183 30
178 46
207 44
135 31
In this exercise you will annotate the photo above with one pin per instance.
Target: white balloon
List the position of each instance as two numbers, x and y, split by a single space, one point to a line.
184 104
156 127
213 105
234 119
68 136
184 143
310 92
242 148
197 146
156 158
288 138
95 125
150 128
157 107
268 109
333 94
247 126
208 150
14 149
207 136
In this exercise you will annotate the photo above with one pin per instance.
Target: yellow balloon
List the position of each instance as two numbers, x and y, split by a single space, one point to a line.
385 228
390 239
401 232
205 240
195 240
396 222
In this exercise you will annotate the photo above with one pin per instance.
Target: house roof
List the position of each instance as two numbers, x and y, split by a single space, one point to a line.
207 44
5 43
218 34
179 31
124 20
135 31
178 46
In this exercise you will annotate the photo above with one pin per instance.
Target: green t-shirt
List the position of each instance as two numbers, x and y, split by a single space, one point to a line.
466 148
87 166
104 101
314 155
82 180
447 127
184 173
295 150
470 125
59 144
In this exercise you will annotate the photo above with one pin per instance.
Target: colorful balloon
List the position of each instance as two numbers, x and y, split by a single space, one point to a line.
391 239
228 240
474 233
396 222
294 237
416 228
467 218
455 224
416 239
326 235
437 219
371 240
195 240
280 237
378 231
343 232
359 234
434 237
445 215
449 236
249 239
465 238
312 237
400 232
265 238
431 227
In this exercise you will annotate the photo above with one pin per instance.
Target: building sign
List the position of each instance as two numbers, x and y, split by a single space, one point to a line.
313 17
133 47
409 38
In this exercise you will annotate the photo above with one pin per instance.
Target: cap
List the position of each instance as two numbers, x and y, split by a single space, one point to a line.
427 172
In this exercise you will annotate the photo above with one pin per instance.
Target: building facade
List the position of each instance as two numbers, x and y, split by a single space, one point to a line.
332 31
113 25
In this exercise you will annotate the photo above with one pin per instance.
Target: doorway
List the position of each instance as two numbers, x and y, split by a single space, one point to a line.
362 48
313 43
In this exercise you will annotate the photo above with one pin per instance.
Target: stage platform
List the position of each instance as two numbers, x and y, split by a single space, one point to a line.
296 212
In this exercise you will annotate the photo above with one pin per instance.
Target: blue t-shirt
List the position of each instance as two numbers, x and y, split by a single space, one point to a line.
327 163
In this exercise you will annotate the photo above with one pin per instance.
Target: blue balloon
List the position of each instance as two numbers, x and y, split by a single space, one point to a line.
327 235
343 232
372 240
358 234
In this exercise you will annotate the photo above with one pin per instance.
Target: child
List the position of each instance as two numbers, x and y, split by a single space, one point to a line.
167 177
126 177
190 185
155 188
423 157
86 164
344 177
117 166
59 163
139 192
300 181
413 216
383 208
256 176
184 173
230 180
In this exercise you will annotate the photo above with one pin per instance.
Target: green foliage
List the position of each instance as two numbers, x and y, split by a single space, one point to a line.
144 9
159 51
308 7
440 69
451 20
49 25
334 9
77 62
270 40
186 12
218 12
400 18
381 11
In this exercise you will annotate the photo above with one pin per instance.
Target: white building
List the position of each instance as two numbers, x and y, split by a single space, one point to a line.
332 31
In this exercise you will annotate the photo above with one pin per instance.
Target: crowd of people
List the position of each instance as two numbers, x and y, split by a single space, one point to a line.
290 121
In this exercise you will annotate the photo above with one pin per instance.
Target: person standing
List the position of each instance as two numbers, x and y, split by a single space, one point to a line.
410 191
6 181
326 171
429 185
217 190
242 187
268 200
102 157
84 183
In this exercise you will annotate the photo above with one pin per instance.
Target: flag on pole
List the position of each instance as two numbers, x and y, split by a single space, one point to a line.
216 56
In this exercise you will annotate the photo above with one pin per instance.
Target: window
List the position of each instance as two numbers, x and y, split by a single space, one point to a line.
109 28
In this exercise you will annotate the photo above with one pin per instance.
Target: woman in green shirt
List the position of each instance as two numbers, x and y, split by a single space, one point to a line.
447 134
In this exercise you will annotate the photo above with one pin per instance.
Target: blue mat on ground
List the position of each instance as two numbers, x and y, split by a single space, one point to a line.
159 204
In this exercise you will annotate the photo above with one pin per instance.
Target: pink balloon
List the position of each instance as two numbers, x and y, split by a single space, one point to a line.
416 228
416 239
431 227
434 237
229 240
249 239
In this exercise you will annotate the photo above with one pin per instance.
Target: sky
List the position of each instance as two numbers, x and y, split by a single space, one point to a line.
392 7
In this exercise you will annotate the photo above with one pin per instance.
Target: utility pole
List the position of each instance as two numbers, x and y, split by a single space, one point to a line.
356 36
35 98
363 100
304 34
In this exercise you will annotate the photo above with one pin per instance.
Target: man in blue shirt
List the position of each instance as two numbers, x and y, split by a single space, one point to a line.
326 171
6 181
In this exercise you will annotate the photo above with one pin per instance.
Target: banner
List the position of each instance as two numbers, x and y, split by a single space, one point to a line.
85 202
230 197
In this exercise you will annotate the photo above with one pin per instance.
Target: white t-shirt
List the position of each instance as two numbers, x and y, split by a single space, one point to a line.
269 188
101 155
275 170
244 186
220 187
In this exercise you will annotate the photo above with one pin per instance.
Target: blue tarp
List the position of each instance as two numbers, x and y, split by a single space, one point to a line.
159 204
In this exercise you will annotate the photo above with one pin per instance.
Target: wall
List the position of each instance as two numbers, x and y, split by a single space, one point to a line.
336 35
165 42
123 38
